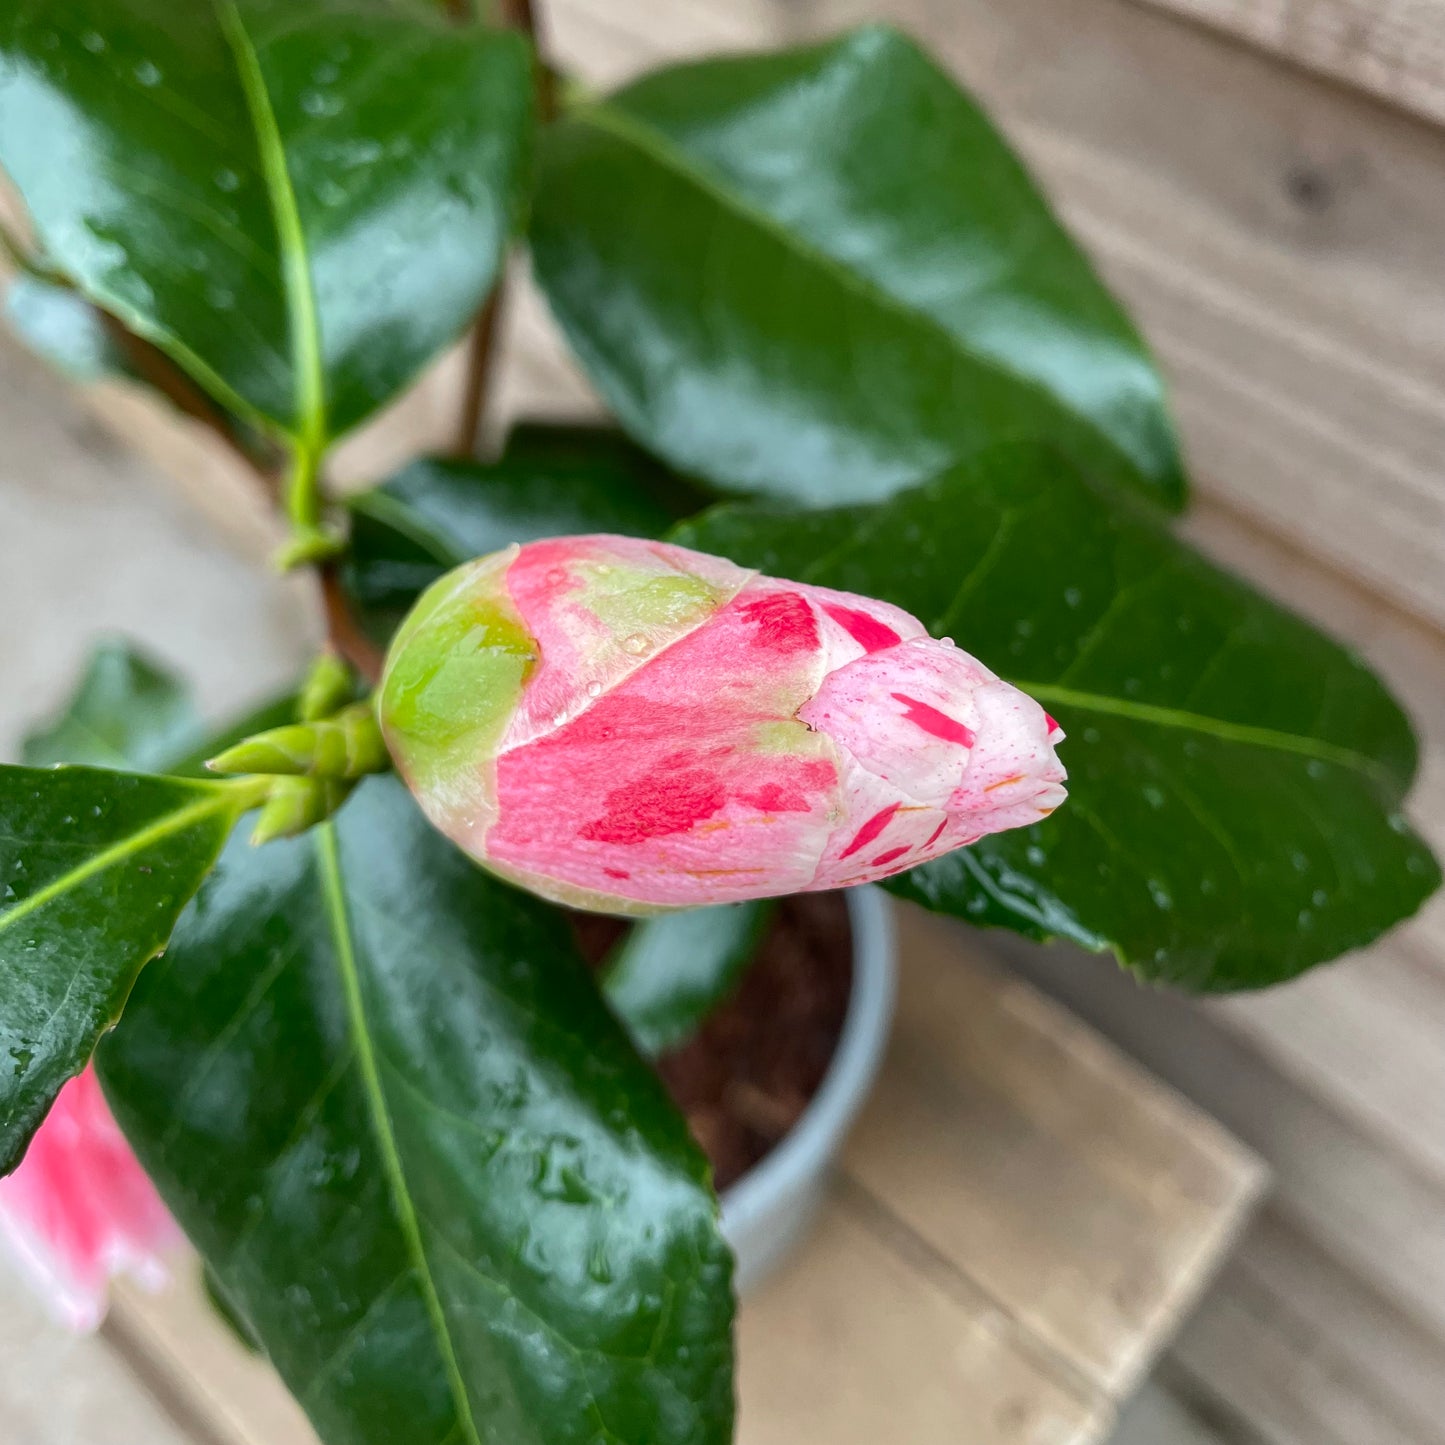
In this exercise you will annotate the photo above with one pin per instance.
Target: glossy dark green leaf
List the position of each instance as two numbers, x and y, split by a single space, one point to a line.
383 1096
300 201
59 324
823 275
127 712
550 481
669 973
1235 778
95 867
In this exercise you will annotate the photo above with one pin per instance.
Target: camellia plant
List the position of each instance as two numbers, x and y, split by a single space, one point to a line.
329 999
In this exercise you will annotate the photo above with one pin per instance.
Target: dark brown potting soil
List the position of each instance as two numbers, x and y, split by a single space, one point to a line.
744 1080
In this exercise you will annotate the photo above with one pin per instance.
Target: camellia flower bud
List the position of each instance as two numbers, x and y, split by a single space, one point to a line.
79 1209
628 726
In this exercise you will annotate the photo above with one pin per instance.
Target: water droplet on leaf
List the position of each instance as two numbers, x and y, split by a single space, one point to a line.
321 103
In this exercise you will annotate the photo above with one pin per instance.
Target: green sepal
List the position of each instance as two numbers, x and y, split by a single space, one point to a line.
348 745
329 686
296 804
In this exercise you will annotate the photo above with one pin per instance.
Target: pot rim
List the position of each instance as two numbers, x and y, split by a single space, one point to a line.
808 1148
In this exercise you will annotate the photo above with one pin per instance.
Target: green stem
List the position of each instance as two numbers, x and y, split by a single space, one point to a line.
26 259
16 253
303 490
310 541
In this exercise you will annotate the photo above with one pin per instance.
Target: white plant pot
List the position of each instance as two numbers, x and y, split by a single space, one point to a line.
768 1211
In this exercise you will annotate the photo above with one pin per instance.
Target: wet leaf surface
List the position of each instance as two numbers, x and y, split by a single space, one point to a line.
822 274
300 201
1236 778
95 868
381 1093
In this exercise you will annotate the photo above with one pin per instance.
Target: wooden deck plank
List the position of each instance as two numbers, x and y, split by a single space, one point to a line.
1369 1205
884 1349
62 1389
1253 1352
183 1345
1393 48
1381 1353
1368 1035
1001 1136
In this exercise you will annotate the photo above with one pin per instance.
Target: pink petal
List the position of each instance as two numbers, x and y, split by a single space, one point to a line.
79 1209
691 733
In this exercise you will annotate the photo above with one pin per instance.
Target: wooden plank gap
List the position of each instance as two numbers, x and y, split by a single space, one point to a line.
158 1378
1393 49
1216 1418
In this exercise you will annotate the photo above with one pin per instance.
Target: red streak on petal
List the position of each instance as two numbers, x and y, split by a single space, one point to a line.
774 798
868 632
784 622
871 829
936 723
891 855
936 834
654 806
617 873
797 792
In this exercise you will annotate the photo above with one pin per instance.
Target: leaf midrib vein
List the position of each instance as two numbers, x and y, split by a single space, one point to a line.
407 1214
291 236
119 851
1220 728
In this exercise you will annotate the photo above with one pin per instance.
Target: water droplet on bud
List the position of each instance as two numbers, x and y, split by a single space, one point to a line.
594 689
636 644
